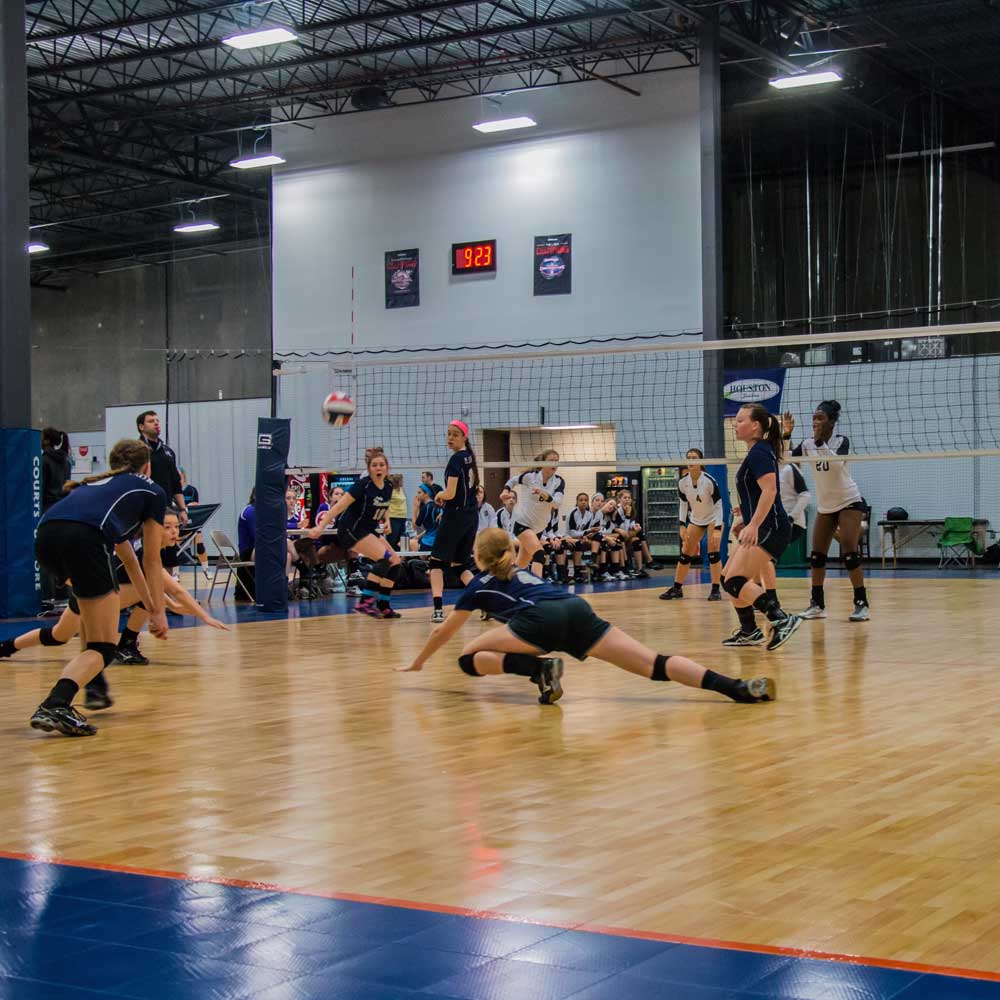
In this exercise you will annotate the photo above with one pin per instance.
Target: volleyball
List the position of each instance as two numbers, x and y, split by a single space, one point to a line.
338 408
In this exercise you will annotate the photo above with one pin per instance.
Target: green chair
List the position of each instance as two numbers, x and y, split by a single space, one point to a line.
957 543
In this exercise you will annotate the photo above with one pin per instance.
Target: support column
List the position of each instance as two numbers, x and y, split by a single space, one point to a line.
20 459
710 97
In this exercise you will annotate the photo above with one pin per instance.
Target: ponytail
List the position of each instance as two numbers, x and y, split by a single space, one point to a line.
476 481
495 553
126 456
770 426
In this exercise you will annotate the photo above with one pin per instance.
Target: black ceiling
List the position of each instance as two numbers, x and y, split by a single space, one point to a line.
135 107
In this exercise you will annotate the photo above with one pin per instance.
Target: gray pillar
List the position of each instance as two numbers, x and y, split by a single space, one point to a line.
15 305
710 90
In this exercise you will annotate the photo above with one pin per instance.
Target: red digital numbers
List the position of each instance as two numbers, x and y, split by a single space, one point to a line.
474 257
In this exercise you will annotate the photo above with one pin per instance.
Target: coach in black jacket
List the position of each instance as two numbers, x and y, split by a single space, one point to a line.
163 464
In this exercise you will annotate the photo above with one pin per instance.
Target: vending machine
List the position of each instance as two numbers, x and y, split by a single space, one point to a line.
660 504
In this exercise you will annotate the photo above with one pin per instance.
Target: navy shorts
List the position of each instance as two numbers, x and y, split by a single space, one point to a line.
71 550
568 625
456 535
775 541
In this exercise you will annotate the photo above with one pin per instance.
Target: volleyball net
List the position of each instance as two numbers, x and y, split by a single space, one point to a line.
921 393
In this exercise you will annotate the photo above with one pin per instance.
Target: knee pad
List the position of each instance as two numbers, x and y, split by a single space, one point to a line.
434 563
46 638
685 559
200 548
852 560
817 560
108 650
392 572
72 603
734 584
539 557
467 661
380 568
714 557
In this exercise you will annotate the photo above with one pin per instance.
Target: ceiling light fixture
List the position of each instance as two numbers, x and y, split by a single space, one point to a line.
815 79
198 226
569 427
37 247
505 124
255 39
255 160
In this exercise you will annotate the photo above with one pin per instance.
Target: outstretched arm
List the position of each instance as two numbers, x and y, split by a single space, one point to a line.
438 637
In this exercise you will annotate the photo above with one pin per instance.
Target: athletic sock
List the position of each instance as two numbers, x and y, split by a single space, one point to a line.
722 684
747 621
715 588
817 597
770 607
7 647
438 603
62 694
127 637
773 594
860 595
521 664
368 592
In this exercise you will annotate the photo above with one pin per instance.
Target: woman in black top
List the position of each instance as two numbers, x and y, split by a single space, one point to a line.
75 541
765 533
459 525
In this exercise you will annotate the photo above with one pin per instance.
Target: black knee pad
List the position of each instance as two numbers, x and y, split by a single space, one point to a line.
380 568
392 572
684 559
434 563
817 560
734 584
73 604
539 557
46 638
714 557
467 661
852 560
108 650
200 548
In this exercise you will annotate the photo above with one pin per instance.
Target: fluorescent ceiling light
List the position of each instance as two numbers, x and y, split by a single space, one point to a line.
37 247
968 148
249 162
569 427
505 124
255 39
805 79
204 226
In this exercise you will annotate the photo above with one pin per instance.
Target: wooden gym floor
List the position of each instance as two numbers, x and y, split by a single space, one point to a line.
858 815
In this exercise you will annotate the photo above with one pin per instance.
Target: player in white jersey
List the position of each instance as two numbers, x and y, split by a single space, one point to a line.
699 512
840 508
581 537
505 512
539 491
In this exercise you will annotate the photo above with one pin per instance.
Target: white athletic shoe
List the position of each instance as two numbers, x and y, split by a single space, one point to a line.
622 576
813 611
860 613
437 616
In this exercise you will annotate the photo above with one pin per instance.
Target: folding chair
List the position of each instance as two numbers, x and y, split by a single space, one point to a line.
229 559
957 543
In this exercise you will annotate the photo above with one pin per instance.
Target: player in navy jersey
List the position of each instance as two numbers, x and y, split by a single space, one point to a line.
840 508
175 596
765 532
541 618
359 513
456 534
75 541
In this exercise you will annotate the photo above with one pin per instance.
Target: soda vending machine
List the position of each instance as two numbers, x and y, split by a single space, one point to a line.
660 503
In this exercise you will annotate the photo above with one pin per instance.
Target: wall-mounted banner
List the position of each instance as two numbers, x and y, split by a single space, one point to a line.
402 279
554 264
753 385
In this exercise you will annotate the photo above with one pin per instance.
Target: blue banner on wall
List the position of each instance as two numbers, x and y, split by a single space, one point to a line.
753 385
273 436
20 510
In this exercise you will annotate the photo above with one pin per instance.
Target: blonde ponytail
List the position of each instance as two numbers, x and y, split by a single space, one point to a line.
495 553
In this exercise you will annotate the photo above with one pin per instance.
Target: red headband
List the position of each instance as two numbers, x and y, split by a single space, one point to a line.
461 425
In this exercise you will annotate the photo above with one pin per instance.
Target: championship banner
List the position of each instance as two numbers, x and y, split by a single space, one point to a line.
20 510
273 436
753 385
402 279
553 264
